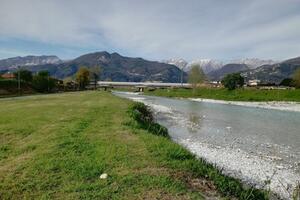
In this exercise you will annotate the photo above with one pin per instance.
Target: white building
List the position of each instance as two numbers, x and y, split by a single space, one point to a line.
254 82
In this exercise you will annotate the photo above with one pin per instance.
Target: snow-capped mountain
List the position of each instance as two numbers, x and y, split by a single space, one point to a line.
11 63
253 63
178 62
209 65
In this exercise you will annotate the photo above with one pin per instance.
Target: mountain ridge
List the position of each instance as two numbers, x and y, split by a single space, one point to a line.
115 67
30 60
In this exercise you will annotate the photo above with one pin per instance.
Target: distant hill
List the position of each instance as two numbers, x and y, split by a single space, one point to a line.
115 67
209 65
13 63
227 69
274 73
253 63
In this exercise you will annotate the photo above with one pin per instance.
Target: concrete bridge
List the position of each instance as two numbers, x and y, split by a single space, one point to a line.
141 85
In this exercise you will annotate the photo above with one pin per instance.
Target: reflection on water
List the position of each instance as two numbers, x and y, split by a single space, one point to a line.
195 122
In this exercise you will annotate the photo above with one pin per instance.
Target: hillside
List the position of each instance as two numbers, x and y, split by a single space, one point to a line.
115 67
227 69
13 63
274 73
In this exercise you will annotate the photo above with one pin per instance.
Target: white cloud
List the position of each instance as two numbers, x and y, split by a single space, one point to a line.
160 29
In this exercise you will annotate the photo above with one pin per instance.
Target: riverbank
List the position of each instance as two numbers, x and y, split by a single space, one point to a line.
276 105
247 156
247 94
60 146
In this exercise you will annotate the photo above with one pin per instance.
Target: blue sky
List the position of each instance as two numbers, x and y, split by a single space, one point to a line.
156 29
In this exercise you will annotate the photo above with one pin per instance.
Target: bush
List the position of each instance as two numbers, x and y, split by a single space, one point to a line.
25 75
141 113
144 117
232 81
287 82
42 82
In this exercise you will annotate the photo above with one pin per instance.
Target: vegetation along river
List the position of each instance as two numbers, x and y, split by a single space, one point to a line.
259 146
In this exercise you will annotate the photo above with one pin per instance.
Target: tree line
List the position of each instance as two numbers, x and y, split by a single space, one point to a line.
43 82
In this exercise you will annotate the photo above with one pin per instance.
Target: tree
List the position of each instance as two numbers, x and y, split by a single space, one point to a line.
42 82
196 75
296 78
232 81
83 77
25 75
95 74
287 82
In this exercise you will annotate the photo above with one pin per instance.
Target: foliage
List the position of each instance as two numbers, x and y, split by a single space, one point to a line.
287 82
83 77
144 117
25 75
42 82
141 113
233 81
5 83
95 74
196 75
296 78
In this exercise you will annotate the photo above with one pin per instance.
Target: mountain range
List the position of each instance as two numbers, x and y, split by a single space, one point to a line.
113 67
209 65
268 71
13 63
218 74
274 73
116 67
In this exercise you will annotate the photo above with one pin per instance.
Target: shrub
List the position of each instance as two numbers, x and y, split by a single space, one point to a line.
42 82
287 82
25 75
141 113
232 81
144 118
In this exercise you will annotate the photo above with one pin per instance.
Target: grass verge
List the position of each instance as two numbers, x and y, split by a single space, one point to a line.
247 94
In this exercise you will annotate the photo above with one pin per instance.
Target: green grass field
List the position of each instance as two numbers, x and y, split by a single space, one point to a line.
249 94
56 147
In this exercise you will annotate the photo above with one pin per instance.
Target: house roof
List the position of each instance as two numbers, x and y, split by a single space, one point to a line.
8 76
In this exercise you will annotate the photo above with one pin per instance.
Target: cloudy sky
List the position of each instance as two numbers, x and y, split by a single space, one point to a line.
153 29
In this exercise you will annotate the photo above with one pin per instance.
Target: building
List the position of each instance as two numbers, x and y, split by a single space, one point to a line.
254 82
8 75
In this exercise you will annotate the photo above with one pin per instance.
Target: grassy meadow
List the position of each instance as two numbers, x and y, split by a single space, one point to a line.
56 147
247 94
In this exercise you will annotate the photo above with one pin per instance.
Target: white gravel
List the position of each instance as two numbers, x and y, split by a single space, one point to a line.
277 105
251 169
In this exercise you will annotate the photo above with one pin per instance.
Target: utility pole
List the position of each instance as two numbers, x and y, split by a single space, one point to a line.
48 83
182 76
19 81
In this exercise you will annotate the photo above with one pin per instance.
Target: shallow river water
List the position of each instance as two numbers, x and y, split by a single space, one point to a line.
256 145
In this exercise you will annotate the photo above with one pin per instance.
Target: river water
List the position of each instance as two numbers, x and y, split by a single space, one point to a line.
259 146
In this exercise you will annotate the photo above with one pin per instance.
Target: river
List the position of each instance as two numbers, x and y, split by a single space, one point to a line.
259 146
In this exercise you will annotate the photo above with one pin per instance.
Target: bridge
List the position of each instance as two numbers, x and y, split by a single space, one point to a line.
142 85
